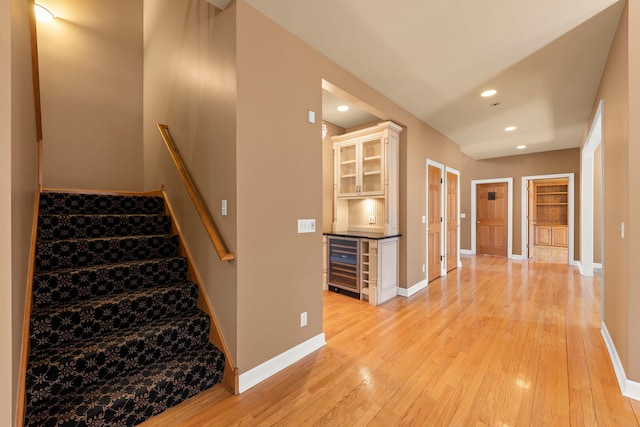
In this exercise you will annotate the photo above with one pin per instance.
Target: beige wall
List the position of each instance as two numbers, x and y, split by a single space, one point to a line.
555 162
614 89
633 242
190 85
279 161
91 80
17 191
620 90
280 167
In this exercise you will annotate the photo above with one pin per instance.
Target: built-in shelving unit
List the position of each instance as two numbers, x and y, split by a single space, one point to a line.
551 213
366 179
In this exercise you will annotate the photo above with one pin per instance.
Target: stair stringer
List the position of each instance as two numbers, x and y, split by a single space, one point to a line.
230 376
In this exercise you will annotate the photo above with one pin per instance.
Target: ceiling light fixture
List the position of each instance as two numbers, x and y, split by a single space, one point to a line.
43 14
521 147
488 93
343 108
510 128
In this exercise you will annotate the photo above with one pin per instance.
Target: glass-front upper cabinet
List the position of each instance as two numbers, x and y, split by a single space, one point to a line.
348 170
371 176
359 166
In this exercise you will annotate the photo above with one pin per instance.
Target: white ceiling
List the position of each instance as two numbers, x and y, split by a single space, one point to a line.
433 58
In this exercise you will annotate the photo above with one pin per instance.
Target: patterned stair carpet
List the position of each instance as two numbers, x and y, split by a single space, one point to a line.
116 336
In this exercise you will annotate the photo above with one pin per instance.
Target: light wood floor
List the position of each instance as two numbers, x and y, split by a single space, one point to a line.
496 343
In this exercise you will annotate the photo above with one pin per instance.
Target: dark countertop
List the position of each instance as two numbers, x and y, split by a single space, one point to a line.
362 235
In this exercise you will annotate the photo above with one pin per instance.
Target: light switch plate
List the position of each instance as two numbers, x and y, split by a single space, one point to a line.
311 116
306 226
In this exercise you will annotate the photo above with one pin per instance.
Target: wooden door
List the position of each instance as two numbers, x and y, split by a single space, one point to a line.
452 221
491 227
434 221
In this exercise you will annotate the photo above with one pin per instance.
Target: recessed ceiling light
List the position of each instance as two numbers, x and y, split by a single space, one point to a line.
343 108
510 128
521 147
43 14
488 93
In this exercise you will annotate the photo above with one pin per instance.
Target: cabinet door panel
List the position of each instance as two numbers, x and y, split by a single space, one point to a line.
543 235
560 236
371 167
347 170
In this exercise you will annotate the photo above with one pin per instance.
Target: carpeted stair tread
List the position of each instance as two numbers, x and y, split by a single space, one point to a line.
57 254
57 325
77 284
56 371
132 398
74 226
73 203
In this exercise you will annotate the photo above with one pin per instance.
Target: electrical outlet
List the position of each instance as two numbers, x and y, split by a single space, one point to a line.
372 219
424 268
303 319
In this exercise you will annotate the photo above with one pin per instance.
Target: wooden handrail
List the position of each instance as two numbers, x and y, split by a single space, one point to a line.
196 198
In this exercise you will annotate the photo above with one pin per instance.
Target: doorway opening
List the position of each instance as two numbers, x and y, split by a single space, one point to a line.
547 233
548 225
589 229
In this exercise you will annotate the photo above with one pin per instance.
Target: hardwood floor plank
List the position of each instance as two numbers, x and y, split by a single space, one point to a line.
498 342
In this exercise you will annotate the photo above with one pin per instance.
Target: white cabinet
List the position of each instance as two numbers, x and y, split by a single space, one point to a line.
361 267
379 271
366 181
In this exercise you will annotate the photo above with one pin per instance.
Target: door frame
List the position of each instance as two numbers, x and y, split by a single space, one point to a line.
474 212
570 212
454 172
587 188
442 213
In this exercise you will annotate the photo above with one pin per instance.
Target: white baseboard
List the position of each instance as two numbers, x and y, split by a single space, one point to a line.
466 252
261 372
516 257
413 289
630 389
597 266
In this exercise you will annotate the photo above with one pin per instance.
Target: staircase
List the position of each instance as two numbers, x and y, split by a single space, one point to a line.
116 336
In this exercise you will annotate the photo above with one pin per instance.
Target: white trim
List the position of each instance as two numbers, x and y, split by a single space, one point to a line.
570 212
261 372
407 292
516 257
443 269
597 266
474 212
630 389
466 252
594 139
453 171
